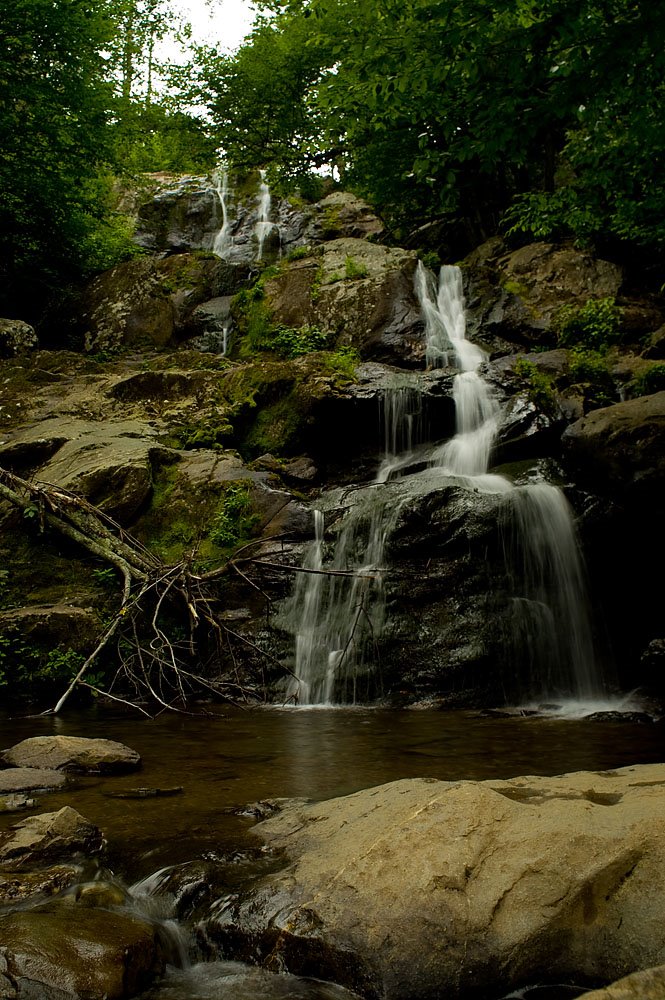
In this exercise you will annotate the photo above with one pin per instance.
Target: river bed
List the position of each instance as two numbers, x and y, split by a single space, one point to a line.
234 758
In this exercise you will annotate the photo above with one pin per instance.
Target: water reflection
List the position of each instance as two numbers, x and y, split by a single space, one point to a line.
224 762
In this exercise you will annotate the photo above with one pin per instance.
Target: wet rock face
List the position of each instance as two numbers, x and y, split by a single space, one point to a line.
649 984
619 449
63 952
425 888
359 293
516 296
73 753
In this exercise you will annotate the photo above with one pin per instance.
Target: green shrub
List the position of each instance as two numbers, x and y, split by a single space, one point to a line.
299 253
352 269
291 343
342 362
538 385
233 521
589 373
595 325
652 379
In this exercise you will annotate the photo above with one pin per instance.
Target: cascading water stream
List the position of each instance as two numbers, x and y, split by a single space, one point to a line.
340 617
263 224
549 637
223 243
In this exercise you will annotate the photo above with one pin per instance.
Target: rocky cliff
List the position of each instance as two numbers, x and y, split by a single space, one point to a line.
205 402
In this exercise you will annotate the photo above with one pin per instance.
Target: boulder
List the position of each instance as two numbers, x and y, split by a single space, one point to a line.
424 888
65 952
180 214
52 626
48 837
108 463
30 779
359 294
73 753
517 295
16 337
149 301
342 215
649 984
618 450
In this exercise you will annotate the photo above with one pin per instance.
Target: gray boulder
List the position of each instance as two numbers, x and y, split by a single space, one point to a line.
30 779
359 294
516 295
73 753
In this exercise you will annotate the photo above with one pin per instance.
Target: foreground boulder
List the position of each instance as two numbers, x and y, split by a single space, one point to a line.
646 985
49 837
61 951
73 753
423 888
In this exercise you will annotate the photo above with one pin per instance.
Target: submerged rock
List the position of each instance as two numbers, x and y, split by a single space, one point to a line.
424 888
73 753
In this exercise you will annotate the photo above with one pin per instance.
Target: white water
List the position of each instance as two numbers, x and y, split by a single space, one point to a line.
263 224
340 608
548 637
223 243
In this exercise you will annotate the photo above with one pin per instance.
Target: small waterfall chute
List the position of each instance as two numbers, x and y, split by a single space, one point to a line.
263 226
223 242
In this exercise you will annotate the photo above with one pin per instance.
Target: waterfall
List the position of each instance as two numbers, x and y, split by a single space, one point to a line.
263 224
341 616
223 243
548 633
340 609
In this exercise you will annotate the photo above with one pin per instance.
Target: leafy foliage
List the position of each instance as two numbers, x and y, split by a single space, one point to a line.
234 521
539 386
596 324
469 108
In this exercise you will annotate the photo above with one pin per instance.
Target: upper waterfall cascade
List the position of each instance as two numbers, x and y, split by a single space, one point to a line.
340 616
243 232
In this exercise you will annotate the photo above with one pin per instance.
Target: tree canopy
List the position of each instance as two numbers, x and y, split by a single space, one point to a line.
549 110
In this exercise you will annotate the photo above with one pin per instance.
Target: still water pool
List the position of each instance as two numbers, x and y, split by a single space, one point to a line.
234 758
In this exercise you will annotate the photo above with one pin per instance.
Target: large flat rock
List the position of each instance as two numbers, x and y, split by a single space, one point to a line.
30 779
423 888
72 753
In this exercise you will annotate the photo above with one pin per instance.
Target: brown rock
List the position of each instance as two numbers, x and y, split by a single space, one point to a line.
73 753
48 837
424 888
66 952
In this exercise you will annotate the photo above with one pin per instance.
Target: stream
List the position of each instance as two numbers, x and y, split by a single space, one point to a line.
237 757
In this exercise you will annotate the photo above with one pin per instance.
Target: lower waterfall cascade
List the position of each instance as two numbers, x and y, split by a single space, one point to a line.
338 618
